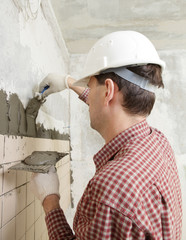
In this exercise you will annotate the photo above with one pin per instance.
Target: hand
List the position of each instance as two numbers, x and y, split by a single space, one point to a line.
45 184
55 82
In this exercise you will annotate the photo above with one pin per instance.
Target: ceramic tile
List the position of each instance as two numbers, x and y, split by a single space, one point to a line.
38 229
1 149
15 149
1 181
20 198
29 216
20 224
9 206
29 195
30 233
21 178
9 178
8 231
38 209
0 212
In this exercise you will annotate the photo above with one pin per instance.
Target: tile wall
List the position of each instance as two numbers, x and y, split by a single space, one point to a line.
21 215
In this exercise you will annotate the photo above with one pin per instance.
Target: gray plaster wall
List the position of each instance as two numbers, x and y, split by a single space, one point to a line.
84 21
29 51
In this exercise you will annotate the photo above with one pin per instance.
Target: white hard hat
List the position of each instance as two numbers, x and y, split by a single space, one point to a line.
117 49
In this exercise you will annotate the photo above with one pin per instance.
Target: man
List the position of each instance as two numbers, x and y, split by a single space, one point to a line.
135 192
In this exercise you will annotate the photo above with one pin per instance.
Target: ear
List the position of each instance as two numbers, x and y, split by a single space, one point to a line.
109 91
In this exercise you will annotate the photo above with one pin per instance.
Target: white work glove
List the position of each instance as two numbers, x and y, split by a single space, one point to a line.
55 82
44 184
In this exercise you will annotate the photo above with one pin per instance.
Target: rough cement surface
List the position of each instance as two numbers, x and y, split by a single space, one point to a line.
42 132
84 21
32 110
4 113
14 114
43 158
15 120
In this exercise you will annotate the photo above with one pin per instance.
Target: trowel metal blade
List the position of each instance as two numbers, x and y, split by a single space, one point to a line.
39 161
31 168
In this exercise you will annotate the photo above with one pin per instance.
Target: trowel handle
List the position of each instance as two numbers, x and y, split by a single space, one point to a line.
44 89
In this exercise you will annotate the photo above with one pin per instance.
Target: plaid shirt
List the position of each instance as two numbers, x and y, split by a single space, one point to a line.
135 193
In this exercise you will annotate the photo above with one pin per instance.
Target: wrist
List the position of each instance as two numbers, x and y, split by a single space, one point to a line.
70 81
50 203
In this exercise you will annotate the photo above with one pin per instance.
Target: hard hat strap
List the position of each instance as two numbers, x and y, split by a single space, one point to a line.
134 78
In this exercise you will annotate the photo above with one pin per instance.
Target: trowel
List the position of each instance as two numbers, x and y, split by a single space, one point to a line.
39 161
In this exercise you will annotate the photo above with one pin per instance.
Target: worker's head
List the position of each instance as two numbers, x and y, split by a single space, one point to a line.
118 50
131 62
136 100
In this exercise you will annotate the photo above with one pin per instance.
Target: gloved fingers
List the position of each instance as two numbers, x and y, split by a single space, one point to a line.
49 91
43 84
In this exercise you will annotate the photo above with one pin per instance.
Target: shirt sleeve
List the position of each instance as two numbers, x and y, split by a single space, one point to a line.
57 226
84 95
99 221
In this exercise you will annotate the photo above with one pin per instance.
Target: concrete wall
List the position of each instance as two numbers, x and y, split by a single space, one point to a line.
31 47
84 21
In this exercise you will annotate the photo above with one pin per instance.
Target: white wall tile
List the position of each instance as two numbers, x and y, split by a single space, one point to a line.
44 236
1 181
29 195
38 229
0 212
21 178
28 176
63 169
38 209
20 198
30 216
9 178
15 149
1 148
23 238
9 206
22 216
20 224
65 199
30 233
8 231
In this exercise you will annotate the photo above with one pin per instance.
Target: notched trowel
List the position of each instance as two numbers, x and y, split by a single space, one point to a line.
39 161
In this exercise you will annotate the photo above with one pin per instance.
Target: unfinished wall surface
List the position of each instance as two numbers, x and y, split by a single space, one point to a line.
21 215
30 48
84 21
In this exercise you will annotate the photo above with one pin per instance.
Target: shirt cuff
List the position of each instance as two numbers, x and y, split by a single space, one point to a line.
57 225
84 95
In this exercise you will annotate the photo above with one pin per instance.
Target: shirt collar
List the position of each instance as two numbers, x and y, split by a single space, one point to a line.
111 148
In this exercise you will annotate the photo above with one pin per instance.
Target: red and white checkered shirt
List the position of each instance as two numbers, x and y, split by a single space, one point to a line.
135 193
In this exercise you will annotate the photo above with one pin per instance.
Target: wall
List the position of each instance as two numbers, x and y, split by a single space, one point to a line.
31 47
22 216
84 21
